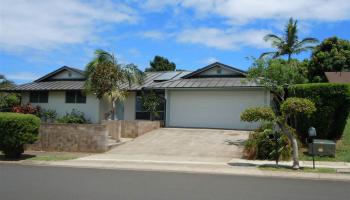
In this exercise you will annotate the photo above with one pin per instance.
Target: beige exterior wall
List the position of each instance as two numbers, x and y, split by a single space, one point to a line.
91 108
130 106
66 74
213 71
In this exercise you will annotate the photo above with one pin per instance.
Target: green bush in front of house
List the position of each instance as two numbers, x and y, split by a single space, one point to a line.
260 146
74 117
332 102
16 130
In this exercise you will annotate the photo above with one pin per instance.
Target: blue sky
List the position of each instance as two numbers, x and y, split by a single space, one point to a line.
37 37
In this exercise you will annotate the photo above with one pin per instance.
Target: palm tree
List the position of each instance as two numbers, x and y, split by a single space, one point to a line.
288 44
105 77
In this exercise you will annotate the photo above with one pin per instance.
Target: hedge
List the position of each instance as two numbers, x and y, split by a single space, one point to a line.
332 102
17 130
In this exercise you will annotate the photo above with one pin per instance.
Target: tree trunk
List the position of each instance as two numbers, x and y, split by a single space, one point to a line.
289 57
294 142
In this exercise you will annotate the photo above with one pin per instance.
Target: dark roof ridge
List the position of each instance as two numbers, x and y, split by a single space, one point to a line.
213 65
59 70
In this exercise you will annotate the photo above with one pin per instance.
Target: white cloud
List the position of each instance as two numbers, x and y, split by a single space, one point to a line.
238 11
22 76
223 39
155 35
209 60
38 24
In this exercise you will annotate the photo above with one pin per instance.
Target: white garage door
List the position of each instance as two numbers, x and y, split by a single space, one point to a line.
212 109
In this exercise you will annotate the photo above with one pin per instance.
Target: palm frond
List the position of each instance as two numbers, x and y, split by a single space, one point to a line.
302 49
133 74
272 38
307 41
267 54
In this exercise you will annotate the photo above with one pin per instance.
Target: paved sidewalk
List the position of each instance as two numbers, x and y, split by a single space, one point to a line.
208 168
318 164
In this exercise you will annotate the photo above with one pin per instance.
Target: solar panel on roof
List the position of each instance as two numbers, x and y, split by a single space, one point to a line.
166 76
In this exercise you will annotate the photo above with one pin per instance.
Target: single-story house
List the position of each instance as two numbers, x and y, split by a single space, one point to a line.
210 97
338 77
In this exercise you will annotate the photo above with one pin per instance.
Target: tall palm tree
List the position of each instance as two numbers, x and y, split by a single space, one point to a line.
289 43
105 77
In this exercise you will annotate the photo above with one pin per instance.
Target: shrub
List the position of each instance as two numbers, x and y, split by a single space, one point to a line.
8 101
294 106
332 102
260 146
75 117
26 109
16 131
258 114
47 115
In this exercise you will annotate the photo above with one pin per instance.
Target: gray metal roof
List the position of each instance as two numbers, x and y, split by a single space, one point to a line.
49 85
204 83
154 78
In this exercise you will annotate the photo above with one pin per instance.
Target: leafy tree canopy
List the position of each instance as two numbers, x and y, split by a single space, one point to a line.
333 54
294 105
160 63
277 74
4 82
105 77
7 100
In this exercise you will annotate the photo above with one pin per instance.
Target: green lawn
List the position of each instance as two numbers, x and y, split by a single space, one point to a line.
342 152
302 169
53 158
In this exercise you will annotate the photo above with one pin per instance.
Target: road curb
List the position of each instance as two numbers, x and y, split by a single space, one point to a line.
186 168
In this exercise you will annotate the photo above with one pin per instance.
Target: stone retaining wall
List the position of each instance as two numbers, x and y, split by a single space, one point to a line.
72 138
133 129
88 137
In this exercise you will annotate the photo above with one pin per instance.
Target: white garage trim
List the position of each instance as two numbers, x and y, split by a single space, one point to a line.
209 108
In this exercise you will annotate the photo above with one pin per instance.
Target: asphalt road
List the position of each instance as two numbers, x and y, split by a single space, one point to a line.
52 183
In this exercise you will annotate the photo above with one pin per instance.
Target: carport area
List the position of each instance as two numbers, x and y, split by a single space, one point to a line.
179 145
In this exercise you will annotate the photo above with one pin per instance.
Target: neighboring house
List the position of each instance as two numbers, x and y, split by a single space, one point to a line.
210 97
338 77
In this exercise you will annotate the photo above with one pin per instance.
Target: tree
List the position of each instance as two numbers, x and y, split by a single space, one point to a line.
4 82
277 76
160 63
105 77
288 44
7 100
332 55
151 102
290 108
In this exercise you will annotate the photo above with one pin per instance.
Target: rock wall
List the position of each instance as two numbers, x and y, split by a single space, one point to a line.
72 138
133 129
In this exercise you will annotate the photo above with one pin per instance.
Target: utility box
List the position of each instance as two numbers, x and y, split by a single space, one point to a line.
322 147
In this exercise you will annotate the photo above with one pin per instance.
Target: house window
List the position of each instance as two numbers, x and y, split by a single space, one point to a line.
143 114
75 97
219 71
39 97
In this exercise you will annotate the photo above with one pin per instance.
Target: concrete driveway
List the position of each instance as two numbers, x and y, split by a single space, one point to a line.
179 145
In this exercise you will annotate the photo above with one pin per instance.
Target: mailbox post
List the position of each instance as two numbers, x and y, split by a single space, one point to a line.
312 135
